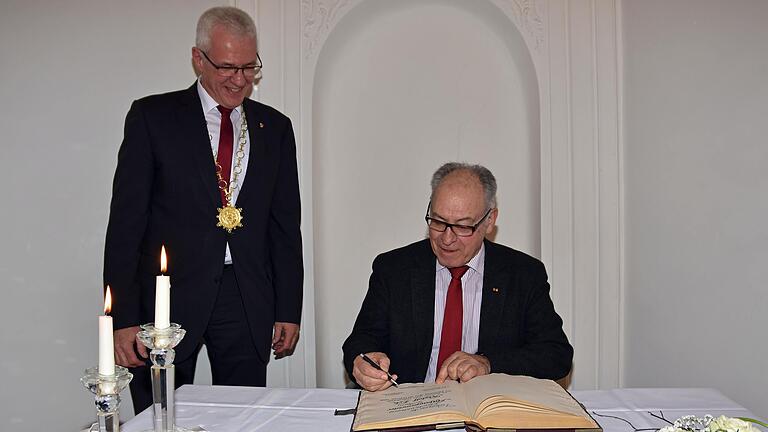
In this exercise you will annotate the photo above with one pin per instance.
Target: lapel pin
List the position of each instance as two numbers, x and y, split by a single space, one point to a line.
261 125
495 290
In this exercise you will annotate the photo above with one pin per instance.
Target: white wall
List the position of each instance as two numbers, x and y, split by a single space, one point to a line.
69 73
402 87
696 121
695 102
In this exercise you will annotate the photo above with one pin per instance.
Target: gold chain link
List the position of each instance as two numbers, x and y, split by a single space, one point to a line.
229 189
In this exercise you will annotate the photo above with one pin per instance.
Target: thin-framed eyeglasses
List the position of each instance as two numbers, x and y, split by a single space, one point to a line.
458 229
249 71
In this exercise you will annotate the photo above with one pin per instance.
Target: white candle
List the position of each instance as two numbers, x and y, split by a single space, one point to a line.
163 295
106 341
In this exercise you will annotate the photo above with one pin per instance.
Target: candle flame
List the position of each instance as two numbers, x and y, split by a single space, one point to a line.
108 301
163 260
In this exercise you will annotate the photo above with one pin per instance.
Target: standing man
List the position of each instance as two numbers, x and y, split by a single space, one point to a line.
211 175
456 306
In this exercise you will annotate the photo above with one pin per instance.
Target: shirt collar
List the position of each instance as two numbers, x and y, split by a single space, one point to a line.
207 101
477 263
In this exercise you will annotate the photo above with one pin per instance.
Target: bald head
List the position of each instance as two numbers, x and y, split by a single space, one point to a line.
482 175
461 197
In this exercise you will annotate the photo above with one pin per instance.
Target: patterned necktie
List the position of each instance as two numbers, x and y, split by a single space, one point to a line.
224 155
450 337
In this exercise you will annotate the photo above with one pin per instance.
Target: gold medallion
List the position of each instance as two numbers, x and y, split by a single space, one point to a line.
230 217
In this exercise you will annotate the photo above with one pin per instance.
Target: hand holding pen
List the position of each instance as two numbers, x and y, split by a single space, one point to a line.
371 371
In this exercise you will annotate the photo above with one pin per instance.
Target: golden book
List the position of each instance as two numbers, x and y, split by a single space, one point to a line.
488 402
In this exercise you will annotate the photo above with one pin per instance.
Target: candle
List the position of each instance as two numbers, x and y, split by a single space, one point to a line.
163 295
106 341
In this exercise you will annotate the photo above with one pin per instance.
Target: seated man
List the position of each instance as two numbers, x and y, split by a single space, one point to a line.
457 306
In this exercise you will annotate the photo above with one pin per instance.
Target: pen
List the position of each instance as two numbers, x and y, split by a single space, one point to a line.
376 365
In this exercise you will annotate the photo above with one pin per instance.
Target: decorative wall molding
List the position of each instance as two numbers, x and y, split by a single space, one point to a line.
581 181
526 16
319 17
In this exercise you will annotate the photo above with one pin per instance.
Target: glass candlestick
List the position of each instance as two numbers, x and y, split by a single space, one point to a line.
161 342
106 389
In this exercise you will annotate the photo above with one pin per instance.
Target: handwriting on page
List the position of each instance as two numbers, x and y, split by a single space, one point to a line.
399 402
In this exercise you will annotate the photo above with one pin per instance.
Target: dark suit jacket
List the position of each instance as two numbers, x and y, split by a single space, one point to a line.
520 332
165 192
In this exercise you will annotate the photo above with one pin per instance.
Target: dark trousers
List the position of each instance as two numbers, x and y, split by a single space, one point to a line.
231 350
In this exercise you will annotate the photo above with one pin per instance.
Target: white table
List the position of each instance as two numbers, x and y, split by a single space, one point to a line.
639 405
230 409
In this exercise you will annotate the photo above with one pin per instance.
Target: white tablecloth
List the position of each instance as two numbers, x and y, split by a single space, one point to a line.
638 406
230 409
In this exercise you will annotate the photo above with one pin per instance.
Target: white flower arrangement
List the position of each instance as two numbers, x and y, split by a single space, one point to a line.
711 424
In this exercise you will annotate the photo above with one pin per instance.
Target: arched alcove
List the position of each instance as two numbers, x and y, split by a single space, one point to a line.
399 88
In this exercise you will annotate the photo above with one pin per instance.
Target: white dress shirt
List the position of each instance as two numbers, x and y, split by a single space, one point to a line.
213 120
471 299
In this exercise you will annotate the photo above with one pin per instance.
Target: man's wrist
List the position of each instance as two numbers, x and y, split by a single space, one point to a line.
485 360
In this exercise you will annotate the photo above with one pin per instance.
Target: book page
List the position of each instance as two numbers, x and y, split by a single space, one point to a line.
523 393
420 402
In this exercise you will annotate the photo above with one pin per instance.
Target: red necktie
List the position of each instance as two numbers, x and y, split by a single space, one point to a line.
224 155
450 337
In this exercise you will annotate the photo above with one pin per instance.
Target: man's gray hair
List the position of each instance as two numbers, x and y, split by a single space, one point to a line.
232 19
483 174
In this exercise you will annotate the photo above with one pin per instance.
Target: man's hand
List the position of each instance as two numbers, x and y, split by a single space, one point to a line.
461 366
284 338
368 376
126 346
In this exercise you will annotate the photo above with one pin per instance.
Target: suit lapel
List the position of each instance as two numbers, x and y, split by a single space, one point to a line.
496 286
194 132
423 301
256 154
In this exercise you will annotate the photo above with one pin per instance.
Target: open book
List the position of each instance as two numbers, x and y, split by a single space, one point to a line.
495 401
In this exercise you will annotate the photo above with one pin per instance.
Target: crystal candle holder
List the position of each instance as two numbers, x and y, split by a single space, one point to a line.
161 342
106 389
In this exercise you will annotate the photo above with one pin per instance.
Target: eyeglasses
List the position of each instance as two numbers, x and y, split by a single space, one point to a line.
458 229
249 71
